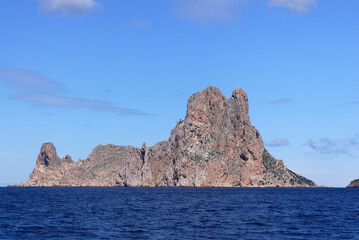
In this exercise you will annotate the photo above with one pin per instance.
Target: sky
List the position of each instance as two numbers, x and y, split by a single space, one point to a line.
79 73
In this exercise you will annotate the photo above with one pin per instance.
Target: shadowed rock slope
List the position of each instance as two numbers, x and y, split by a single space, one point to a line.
216 145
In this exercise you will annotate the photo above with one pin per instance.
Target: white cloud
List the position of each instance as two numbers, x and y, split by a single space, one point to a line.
204 11
68 7
278 142
300 6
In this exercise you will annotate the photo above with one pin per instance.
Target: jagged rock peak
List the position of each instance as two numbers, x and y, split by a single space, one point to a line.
47 154
207 105
211 91
240 97
203 103
67 159
144 146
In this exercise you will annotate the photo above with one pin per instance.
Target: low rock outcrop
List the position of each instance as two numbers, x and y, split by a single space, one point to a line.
354 184
214 146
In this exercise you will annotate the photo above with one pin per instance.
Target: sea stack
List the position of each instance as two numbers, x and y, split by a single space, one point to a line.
354 184
214 146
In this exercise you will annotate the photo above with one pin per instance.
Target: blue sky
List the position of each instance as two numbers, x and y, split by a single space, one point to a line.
80 73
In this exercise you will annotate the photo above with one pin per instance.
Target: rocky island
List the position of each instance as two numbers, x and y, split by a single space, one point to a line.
214 146
354 184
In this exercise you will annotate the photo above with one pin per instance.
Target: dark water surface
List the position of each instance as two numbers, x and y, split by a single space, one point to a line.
179 213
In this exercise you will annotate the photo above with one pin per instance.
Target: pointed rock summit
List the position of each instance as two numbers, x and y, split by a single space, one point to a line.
214 146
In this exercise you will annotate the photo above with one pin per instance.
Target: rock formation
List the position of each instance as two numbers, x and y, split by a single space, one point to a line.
354 184
215 146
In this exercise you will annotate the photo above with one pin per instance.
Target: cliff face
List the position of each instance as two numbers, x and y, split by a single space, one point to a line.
215 145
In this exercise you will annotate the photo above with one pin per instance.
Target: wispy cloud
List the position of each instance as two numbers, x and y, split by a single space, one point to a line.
327 146
3 154
277 142
27 80
349 103
204 11
7 155
280 101
37 89
140 23
74 103
68 7
221 11
299 6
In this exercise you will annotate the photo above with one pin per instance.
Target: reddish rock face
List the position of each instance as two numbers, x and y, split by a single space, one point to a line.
47 155
216 145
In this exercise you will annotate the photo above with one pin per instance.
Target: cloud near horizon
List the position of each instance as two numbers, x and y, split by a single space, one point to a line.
37 89
68 7
299 6
277 142
327 146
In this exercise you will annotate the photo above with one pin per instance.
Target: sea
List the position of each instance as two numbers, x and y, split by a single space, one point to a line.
178 213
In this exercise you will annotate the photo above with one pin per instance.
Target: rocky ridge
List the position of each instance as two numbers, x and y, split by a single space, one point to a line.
214 146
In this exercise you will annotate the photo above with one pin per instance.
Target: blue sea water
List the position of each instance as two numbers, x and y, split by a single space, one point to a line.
179 213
